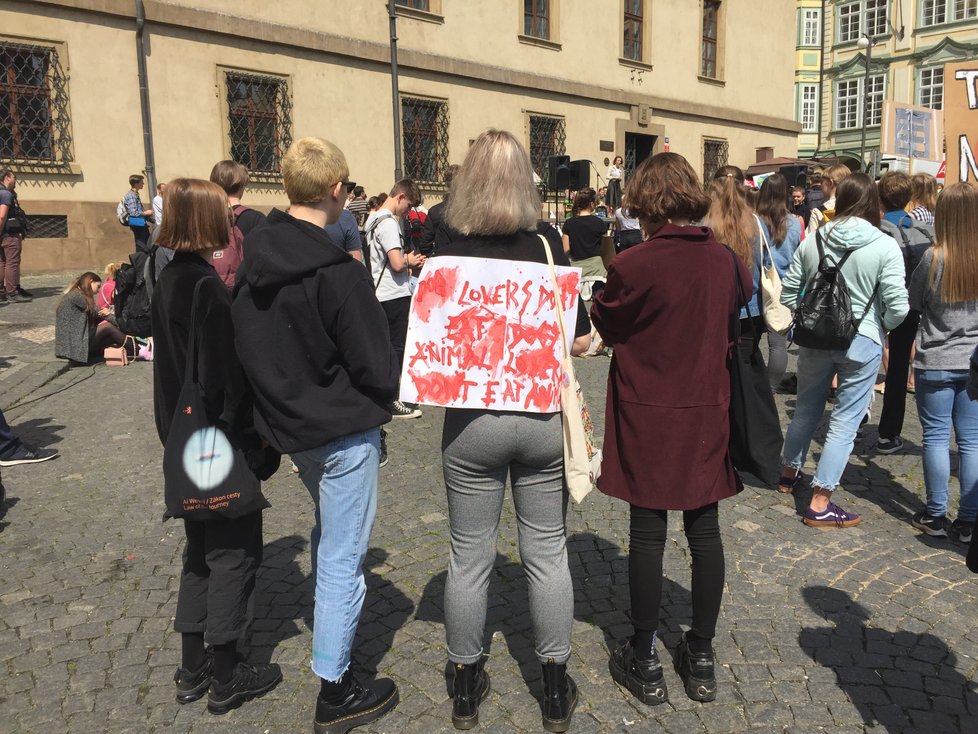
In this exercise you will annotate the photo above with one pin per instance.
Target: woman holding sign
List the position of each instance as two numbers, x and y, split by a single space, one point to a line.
495 207
668 310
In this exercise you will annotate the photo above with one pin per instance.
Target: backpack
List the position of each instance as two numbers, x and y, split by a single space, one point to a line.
415 221
914 241
122 213
227 261
824 319
133 293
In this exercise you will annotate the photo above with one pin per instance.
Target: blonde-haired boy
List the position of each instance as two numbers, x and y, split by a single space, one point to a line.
313 341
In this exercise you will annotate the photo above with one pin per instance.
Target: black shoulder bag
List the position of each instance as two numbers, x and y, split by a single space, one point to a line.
205 470
755 426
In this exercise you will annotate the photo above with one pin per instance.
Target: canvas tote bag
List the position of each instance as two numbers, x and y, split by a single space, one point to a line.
582 461
777 317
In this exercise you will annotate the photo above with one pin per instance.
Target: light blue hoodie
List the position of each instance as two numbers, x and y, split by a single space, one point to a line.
876 258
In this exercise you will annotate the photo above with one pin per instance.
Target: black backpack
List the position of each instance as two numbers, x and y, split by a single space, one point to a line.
133 292
824 318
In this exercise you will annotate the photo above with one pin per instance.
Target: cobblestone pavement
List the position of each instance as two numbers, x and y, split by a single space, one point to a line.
869 629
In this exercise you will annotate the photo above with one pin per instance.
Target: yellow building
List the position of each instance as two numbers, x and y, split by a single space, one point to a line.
808 68
243 79
910 41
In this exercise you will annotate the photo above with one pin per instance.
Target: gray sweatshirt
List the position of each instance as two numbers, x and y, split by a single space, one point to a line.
948 332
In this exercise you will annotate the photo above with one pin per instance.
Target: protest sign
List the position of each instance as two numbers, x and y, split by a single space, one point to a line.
961 121
911 132
483 334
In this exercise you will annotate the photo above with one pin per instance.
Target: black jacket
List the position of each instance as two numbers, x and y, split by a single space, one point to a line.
436 233
312 337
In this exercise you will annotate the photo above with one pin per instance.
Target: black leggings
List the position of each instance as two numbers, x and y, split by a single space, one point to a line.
648 538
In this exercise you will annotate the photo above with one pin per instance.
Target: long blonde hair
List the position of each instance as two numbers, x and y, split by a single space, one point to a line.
731 218
956 239
494 192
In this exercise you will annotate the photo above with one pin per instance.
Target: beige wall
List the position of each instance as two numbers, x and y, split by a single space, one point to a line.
337 64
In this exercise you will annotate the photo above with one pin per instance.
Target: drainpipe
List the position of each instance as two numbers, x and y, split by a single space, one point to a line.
821 89
395 95
144 98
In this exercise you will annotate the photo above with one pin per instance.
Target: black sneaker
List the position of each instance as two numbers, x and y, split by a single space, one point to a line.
18 298
28 455
961 530
889 445
696 670
248 681
642 678
361 705
933 526
191 685
383 448
402 411
24 293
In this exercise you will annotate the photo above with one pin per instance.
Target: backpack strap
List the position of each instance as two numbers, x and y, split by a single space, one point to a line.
371 234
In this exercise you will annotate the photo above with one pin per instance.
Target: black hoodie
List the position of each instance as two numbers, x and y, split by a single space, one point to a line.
311 337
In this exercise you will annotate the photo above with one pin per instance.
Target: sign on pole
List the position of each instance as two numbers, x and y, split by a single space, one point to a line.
911 132
961 121
483 334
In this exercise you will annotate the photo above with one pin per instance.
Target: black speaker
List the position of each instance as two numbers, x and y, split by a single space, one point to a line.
580 175
558 175
796 175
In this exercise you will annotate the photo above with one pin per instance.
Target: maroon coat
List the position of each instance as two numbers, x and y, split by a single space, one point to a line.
666 309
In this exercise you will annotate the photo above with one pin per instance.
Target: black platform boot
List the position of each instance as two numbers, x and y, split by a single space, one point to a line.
696 670
559 697
471 687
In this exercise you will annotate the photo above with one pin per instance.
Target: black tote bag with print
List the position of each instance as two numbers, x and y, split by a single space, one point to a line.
205 470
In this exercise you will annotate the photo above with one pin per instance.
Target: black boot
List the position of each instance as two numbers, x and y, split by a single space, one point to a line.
470 688
643 678
696 670
559 697
349 704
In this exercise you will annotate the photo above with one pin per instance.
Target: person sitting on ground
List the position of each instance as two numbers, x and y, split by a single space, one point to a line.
106 293
944 289
874 275
81 329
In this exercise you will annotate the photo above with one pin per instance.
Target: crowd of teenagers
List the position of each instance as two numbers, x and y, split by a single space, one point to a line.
291 329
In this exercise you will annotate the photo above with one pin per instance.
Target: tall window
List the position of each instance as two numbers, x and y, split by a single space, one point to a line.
935 12
930 88
849 102
715 154
864 17
811 34
633 30
536 18
548 136
34 121
424 135
711 23
259 120
809 107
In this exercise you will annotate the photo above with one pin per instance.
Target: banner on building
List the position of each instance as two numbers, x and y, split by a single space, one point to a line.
911 132
961 121
483 334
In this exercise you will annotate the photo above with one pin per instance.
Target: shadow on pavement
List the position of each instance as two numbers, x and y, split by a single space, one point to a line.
902 680
283 594
39 432
385 610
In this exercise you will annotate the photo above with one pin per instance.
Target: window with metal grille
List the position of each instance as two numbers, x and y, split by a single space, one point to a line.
847 100
711 20
632 48
536 18
809 108
715 154
930 88
35 126
259 121
424 134
812 27
548 136
47 226
416 4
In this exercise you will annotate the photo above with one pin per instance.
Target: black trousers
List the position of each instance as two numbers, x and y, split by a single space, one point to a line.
141 236
397 312
897 372
217 585
647 529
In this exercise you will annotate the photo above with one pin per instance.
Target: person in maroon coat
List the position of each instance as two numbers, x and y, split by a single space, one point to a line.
667 310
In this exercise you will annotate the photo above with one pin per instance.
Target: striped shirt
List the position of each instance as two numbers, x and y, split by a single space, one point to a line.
922 214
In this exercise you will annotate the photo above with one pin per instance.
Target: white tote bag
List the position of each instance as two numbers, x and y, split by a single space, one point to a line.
582 461
777 317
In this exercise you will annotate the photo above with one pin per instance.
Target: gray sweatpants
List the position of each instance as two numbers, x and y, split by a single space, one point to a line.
480 449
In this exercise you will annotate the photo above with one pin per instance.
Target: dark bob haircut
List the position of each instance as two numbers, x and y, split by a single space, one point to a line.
857 196
666 187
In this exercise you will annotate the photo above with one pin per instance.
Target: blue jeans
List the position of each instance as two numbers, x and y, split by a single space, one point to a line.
857 368
342 479
942 401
